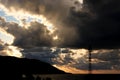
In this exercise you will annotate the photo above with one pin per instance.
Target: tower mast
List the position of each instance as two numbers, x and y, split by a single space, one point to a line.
89 58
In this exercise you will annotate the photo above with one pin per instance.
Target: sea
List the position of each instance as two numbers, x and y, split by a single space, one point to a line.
55 77
73 77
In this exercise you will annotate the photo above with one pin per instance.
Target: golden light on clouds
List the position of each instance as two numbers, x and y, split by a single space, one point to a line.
55 37
81 1
72 70
7 40
21 16
5 37
49 25
24 24
13 51
78 53
73 56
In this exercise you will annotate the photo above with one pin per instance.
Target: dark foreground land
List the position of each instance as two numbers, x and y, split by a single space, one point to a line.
77 77
12 68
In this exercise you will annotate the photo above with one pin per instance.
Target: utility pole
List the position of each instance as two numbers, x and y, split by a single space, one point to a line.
89 58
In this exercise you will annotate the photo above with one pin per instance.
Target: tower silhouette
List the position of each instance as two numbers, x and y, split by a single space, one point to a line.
89 58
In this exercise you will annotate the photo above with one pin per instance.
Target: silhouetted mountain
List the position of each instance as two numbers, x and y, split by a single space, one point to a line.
23 65
16 67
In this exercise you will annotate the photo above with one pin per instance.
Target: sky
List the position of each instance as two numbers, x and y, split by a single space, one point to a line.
60 32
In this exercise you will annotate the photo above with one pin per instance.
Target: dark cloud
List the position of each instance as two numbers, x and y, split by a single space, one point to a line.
36 35
107 59
111 57
102 60
97 23
40 53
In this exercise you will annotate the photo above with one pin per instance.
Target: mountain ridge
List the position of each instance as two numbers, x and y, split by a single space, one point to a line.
26 66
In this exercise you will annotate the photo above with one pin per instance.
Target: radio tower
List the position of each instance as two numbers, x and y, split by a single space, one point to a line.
89 58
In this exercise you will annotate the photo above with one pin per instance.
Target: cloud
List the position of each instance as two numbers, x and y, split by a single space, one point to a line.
96 22
9 50
5 37
59 56
6 41
103 59
40 53
76 25
36 35
110 58
97 25
47 8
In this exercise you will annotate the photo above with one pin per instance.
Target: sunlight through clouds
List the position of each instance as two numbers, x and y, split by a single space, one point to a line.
7 40
13 51
55 37
21 15
81 1
5 37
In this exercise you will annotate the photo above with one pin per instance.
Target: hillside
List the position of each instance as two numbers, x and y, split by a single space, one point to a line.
15 67
23 65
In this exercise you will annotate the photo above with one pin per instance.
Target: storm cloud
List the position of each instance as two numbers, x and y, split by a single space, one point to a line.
99 24
96 22
36 35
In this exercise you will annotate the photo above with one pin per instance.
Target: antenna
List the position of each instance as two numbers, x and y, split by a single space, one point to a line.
90 66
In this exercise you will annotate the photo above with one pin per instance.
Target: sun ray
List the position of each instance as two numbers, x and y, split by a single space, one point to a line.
5 37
